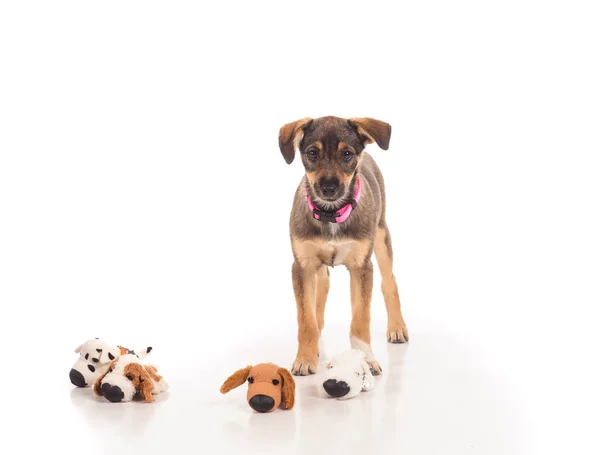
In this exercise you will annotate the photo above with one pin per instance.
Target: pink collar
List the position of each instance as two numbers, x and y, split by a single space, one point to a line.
334 217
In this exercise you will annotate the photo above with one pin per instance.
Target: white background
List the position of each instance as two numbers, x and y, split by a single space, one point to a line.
144 200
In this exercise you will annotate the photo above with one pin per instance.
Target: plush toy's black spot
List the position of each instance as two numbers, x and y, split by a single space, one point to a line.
91 368
77 378
96 338
87 355
95 360
98 350
112 392
110 356
148 349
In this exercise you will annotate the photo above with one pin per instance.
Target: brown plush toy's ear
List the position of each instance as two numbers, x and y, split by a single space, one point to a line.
146 385
236 379
371 130
288 389
290 136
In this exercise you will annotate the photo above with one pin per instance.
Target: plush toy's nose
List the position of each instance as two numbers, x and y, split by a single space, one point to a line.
112 392
262 403
336 388
77 378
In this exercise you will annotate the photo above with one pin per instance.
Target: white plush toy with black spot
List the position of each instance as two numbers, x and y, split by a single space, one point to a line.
94 358
347 375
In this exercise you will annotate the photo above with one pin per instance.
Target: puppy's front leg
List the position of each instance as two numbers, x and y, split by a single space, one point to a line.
306 362
361 290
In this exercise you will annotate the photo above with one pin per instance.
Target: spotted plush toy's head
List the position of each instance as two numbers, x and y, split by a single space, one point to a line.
126 378
347 375
94 357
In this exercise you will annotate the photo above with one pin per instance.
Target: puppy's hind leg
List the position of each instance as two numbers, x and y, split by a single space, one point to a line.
396 328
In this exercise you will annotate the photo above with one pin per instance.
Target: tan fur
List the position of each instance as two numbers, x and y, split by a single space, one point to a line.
236 379
290 136
372 130
317 244
142 380
260 379
322 289
288 389
396 330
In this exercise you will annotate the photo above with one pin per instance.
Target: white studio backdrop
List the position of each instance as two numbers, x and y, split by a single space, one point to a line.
143 196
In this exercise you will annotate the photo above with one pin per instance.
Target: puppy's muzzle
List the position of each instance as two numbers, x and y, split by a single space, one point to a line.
261 403
112 393
329 189
336 388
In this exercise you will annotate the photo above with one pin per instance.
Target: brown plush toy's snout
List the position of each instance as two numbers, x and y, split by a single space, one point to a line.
269 386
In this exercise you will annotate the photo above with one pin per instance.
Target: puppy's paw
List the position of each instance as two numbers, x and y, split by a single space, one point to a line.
304 367
397 334
374 367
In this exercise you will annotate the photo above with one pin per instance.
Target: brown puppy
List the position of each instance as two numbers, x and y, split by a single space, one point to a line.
269 386
338 218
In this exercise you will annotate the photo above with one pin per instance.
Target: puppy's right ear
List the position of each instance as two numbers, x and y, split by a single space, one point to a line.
290 136
236 379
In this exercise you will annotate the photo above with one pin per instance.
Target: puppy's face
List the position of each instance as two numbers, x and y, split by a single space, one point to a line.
330 149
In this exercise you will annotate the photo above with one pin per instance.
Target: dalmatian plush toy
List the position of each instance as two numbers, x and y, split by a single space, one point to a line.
348 375
94 358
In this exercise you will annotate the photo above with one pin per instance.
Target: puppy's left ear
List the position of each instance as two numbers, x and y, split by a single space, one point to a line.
288 389
371 130
290 136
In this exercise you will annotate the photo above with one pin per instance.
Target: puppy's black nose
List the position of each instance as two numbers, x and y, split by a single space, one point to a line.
336 388
262 403
77 378
112 392
328 189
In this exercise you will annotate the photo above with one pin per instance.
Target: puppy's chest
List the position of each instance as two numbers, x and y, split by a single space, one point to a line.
337 252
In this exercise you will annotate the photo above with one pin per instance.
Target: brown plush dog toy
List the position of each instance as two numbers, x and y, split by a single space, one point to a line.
269 386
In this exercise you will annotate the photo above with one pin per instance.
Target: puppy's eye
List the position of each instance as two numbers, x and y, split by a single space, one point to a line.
129 377
312 154
275 381
329 367
250 379
347 155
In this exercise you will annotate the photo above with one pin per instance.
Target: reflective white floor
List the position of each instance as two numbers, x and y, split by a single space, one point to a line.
435 396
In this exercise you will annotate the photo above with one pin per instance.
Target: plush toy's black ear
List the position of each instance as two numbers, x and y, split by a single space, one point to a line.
108 353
